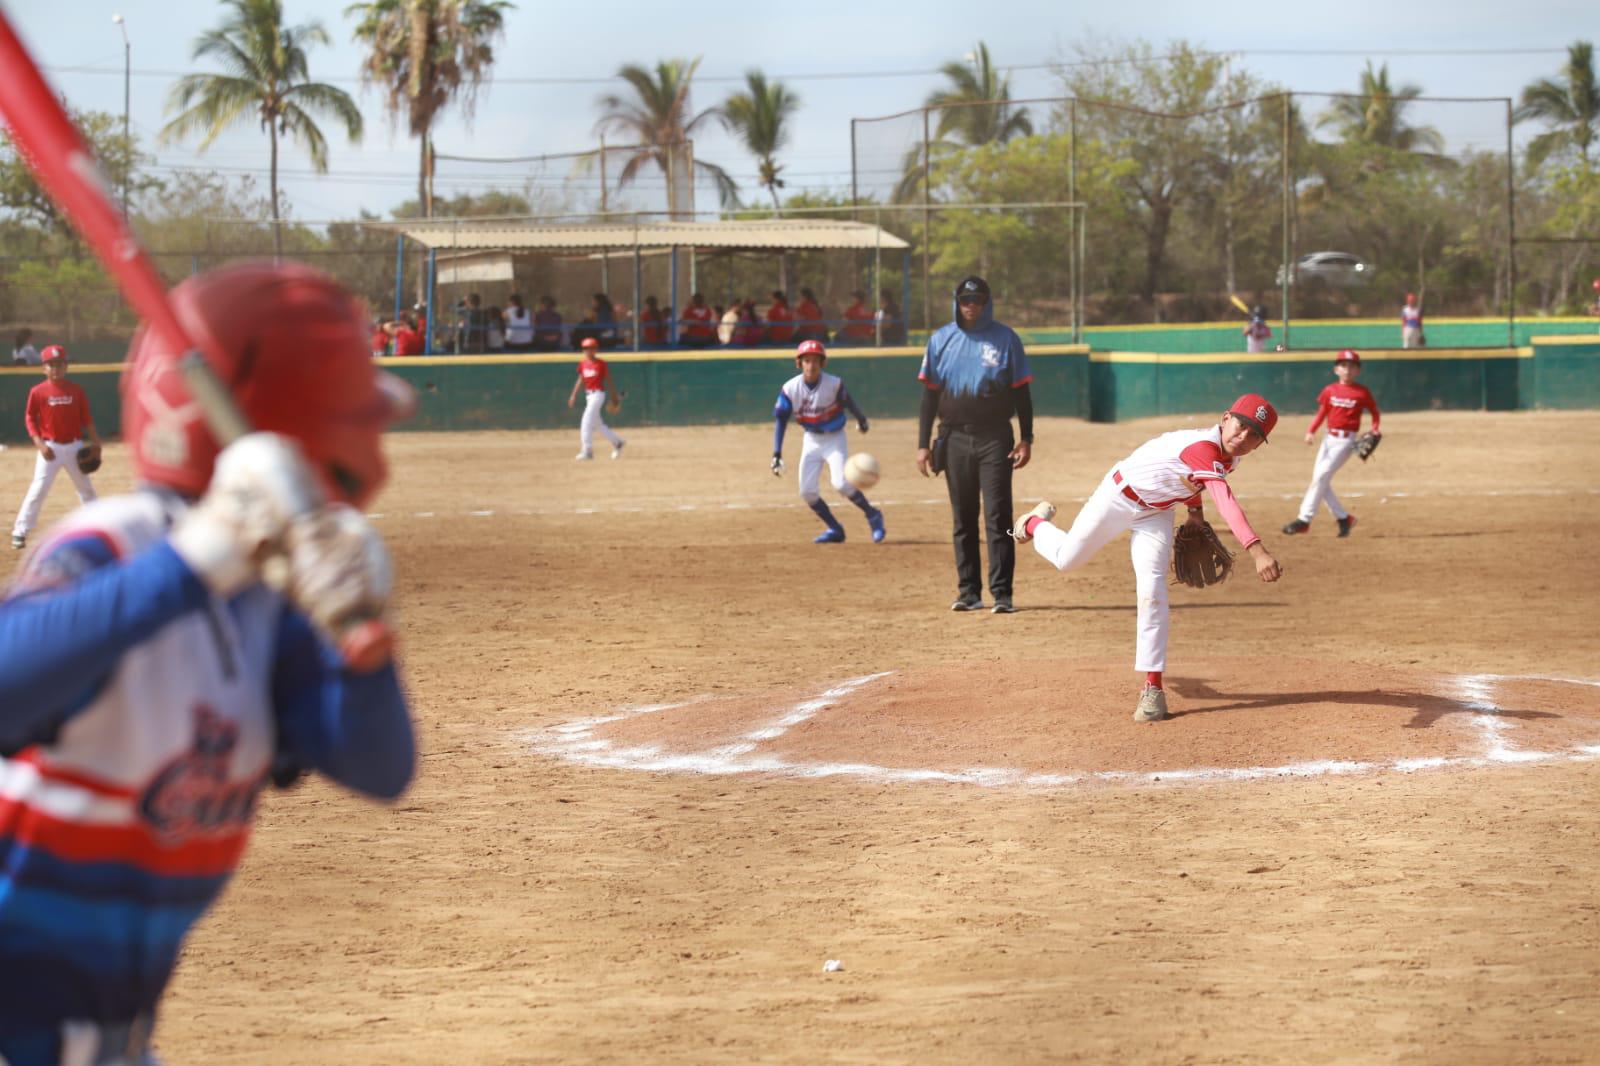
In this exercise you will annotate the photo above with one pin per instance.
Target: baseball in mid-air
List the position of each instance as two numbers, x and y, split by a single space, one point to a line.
861 470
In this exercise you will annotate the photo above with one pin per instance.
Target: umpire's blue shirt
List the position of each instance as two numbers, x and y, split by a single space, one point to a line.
975 370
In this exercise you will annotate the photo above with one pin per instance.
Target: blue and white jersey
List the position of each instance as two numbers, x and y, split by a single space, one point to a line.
140 718
819 408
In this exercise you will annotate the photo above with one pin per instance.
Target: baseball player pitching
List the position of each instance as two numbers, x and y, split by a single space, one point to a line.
1340 404
818 401
1137 495
151 685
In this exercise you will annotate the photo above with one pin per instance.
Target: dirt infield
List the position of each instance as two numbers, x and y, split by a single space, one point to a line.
674 757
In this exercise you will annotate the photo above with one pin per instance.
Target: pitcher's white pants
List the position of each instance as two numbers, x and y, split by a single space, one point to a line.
44 475
593 401
816 449
1106 515
1333 454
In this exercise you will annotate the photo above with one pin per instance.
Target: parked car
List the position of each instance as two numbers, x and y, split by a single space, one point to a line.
1334 268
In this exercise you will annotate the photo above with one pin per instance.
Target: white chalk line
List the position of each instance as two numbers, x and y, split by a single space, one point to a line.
575 742
665 507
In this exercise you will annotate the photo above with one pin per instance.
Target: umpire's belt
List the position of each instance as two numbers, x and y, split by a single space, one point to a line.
983 429
1116 478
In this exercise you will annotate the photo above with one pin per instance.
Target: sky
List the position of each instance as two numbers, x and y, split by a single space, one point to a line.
844 59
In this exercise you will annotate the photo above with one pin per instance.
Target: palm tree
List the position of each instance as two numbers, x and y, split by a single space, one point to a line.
657 119
1571 104
1375 116
265 78
428 54
974 109
757 115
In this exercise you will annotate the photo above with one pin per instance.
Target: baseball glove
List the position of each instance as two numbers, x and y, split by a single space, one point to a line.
1198 557
614 402
89 458
1366 444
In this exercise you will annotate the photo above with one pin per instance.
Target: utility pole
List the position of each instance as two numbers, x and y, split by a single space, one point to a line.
127 75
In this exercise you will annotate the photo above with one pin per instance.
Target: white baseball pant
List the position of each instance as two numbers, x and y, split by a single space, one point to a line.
1105 515
44 475
1333 454
816 449
593 401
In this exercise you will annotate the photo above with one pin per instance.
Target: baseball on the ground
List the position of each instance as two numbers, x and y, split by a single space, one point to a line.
861 470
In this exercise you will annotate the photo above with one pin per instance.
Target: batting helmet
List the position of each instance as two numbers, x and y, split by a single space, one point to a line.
590 344
290 344
53 353
810 348
1349 355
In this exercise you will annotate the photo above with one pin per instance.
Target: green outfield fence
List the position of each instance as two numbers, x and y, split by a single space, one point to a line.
1072 381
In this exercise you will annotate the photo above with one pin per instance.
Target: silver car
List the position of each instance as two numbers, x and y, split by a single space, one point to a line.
1334 268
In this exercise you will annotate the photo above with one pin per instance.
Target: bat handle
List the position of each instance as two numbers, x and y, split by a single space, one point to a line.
366 645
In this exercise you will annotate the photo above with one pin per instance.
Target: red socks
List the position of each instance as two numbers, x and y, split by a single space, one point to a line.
1153 678
1029 526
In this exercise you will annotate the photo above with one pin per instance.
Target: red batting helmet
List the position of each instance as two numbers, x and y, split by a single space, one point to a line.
290 344
53 353
810 348
1349 355
1255 410
590 344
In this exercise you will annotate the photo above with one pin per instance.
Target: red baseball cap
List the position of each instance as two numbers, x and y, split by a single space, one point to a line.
52 353
590 342
1349 355
1411 297
1257 412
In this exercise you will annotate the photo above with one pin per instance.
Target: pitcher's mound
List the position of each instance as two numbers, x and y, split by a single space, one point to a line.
1045 721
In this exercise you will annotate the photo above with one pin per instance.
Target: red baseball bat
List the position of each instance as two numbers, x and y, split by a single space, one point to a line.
64 166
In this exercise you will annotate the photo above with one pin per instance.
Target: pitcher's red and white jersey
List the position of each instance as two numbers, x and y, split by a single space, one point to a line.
1173 467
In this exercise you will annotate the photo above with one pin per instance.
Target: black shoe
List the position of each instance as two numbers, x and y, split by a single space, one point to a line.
1002 605
1296 526
19 541
967 603
1345 523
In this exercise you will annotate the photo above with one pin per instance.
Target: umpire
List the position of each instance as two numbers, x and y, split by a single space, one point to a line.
976 375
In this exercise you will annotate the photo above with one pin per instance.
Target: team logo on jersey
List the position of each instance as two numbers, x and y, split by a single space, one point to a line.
192 795
989 354
1218 468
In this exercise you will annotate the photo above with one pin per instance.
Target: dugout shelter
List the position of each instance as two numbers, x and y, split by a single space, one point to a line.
468 248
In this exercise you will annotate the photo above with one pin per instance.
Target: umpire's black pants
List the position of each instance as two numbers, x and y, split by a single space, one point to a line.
977 461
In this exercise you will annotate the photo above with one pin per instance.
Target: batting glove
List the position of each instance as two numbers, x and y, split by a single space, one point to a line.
777 465
259 484
338 571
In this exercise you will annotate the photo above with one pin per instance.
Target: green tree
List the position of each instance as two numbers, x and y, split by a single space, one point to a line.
759 115
1570 104
265 78
974 109
427 55
1375 116
657 117
493 203
22 197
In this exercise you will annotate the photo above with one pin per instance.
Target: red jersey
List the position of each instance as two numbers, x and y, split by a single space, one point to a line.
595 373
810 321
57 411
407 342
858 322
1341 405
380 341
698 323
779 323
652 327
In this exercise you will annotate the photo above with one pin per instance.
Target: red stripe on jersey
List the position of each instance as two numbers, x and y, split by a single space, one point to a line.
1024 381
135 845
33 757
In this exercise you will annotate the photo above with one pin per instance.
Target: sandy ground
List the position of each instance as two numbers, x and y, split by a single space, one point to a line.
631 898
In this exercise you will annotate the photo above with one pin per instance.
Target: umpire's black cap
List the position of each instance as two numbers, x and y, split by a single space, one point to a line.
972 285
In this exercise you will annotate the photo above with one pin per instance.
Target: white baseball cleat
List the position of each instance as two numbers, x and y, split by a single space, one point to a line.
584 456
616 449
1152 705
1044 510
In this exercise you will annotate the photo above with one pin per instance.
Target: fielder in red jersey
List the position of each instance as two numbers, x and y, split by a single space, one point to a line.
58 420
1340 405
